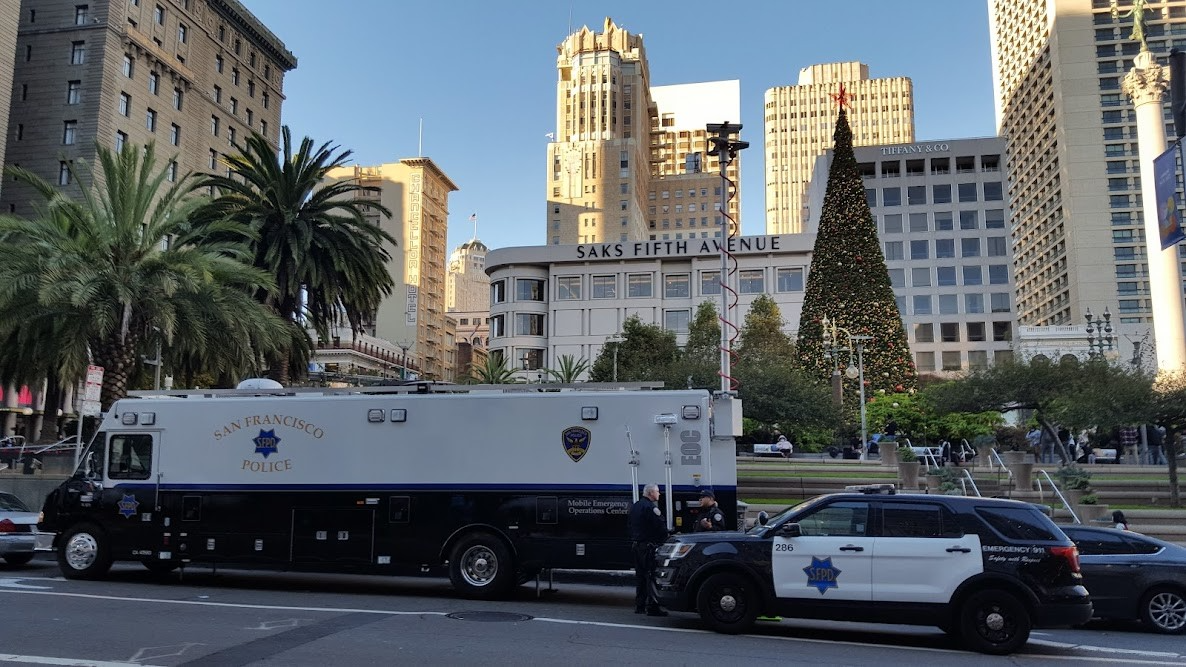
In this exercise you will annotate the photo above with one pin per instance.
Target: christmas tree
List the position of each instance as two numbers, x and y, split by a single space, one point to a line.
850 286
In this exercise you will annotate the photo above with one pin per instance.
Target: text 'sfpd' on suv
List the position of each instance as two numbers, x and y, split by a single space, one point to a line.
986 570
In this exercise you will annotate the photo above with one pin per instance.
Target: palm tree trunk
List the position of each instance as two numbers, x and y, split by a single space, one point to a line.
117 357
53 402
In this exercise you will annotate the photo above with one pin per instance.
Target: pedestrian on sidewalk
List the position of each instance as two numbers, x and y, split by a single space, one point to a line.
1156 435
1119 521
647 532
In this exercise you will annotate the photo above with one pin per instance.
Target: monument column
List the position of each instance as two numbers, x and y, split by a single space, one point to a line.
1146 84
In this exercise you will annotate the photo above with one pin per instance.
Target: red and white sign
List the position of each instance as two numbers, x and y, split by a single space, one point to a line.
91 405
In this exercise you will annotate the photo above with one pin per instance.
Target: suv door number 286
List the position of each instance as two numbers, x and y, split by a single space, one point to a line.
783 546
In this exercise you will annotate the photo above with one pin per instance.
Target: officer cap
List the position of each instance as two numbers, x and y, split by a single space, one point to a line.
707 493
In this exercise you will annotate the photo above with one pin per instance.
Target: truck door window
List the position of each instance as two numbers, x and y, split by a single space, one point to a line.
129 457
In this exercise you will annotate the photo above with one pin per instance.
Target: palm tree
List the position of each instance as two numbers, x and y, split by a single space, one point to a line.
493 371
98 274
569 370
328 259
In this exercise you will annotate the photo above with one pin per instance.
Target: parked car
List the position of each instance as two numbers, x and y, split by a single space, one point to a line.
18 530
1133 576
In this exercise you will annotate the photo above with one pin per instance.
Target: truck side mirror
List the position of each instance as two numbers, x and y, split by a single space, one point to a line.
790 530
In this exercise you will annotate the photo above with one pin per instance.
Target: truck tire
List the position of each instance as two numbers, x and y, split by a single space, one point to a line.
83 553
994 622
728 602
481 567
18 559
1163 609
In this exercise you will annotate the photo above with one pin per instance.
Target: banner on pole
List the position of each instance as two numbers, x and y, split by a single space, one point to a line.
92 390
1169 208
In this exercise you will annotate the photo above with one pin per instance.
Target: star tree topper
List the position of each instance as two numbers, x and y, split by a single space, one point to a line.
841 98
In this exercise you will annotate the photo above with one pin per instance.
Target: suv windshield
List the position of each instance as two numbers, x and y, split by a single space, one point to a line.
781 517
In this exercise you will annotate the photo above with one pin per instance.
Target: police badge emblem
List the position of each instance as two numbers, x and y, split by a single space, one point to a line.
575 440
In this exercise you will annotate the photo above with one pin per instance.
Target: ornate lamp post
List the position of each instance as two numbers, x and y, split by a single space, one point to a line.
403 346
1099 334
854 372
616 339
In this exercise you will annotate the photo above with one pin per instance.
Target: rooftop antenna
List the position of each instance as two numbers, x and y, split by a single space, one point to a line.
420 141
474 219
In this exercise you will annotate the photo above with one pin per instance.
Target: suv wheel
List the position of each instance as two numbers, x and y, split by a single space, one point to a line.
1164 610
994 622
728 602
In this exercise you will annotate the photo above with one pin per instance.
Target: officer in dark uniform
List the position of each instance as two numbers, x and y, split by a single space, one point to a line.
647 532
711 517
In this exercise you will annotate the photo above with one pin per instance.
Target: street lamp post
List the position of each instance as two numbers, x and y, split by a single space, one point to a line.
860 373
616 339
1099 334
832 349
403 346
832 346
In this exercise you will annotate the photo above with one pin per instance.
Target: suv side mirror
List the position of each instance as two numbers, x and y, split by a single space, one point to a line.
763 518
790 530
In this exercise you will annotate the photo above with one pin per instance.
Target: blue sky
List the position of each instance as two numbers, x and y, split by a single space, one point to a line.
482 75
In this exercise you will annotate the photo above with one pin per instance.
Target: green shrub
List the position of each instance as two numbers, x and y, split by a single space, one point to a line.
1089 499
906 454
1073 477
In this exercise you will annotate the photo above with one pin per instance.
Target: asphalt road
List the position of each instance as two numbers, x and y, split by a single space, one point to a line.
239 618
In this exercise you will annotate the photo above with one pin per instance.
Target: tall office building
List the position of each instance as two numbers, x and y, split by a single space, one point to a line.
416 192
800 120
613 139
1071 147
193 76
9 17
467 287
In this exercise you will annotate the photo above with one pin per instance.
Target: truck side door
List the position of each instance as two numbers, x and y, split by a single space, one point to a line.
127 502
831 559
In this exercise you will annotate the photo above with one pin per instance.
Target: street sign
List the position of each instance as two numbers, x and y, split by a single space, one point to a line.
91 405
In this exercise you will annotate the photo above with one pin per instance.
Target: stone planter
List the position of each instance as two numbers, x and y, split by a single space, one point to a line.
1023 475
1073 496
933 482
1014 457
889 453
1090 514
908 473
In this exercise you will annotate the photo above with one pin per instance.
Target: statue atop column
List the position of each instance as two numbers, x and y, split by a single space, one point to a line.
1138 20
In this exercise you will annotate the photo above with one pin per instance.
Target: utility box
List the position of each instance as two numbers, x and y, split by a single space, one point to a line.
726 417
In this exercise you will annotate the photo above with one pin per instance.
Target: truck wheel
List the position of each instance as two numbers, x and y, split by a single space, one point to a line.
83 553
994 622
1164 610
481 567
728 603
18 559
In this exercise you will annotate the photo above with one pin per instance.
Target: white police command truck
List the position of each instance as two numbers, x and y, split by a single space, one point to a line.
496 482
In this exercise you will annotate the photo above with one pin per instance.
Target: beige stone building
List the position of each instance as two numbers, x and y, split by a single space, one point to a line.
1071 147
416 192
467 287
193 76
800 120
613 141
9 17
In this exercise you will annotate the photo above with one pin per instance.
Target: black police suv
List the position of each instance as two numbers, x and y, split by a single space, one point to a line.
986 570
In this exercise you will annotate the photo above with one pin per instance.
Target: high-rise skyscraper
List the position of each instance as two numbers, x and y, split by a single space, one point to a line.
616 136
193 76
9 17
1071 147
800 120
467 287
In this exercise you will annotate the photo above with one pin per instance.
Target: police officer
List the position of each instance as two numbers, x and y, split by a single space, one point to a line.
647 531
710 517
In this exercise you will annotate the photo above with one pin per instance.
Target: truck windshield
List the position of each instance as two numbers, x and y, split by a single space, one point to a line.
90 462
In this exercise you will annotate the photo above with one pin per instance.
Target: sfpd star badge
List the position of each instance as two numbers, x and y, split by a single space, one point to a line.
128 505
822 574
266 442
576 442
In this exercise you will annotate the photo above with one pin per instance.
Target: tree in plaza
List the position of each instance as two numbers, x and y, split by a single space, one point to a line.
101 275
699 363
761 339
568 369
849 283
646 354
328 259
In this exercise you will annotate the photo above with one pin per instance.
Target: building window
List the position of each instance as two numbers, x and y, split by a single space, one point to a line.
974 303
892 223
175 134
639 285
920 276
218 95
604 287
790 279
977 359
125 104
69 132
1002 331
266 99
77 53
129 66
154 81
941 193
218 64
997 246
944 248
918 222
121 140
752 281
81 13
891 196
973 275
677 320
945 276
952 361
710 283
916 195
976 332
250 88
235 76
150 120
498 291
250 118
568 288
925 361
949 304
73 92
944 221
897 277
234 107
230 136
497 326
64 173
969 220
677 286
920 249
529 324
529 289
238 46
172 171
158 15
871 197
894 250
998 274
998 302
993 191
922 304
213 158
177 98
181 32
967 192
970 247
994 218
263 128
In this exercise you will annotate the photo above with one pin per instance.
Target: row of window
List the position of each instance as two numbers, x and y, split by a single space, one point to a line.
945 276
996 246
949 332
916 195
942 221
924 304
534 324
939 165
641 285
952 360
